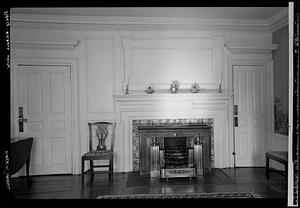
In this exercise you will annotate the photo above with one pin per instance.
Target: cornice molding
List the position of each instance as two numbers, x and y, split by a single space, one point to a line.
46 45
279 20
98 23
134 20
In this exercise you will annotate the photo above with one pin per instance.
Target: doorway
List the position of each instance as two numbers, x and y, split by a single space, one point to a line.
251 114
43 99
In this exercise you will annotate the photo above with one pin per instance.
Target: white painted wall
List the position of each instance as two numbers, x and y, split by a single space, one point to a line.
107 58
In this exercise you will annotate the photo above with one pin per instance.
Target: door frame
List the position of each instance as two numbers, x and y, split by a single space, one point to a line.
268 64
73 64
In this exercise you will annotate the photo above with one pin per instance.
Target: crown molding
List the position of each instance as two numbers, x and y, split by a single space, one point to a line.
46 45
102 23
279 20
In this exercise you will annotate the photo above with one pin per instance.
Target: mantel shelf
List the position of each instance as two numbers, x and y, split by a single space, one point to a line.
166 95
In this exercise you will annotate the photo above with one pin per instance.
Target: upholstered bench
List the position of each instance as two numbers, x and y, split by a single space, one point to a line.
279 156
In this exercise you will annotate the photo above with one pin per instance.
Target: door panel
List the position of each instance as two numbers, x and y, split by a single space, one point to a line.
250 94
44 94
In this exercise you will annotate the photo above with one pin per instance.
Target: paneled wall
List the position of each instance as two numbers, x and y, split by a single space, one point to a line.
100 74
104 60
163 59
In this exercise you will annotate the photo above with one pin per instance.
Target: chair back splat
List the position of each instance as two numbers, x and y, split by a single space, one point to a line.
101 131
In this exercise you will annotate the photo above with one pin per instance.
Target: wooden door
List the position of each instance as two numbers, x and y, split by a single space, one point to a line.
43 94
251 118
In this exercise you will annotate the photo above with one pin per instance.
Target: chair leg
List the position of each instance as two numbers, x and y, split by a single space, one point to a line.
267 167
82 170
286 173
92 166
111 169
29 179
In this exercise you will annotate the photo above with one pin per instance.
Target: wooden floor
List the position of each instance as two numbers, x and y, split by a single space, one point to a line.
220 180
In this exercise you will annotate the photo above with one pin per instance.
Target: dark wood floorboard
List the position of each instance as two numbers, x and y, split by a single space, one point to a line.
220 180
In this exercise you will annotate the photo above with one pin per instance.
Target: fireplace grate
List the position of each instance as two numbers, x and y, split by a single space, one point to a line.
176 153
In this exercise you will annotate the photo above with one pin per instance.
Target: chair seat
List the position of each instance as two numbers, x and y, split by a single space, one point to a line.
279 156
98 153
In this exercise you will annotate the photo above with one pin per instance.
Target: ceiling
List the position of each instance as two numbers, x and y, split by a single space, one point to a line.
183 12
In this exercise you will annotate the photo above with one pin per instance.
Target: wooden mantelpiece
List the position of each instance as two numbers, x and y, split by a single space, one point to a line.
163 105
191 132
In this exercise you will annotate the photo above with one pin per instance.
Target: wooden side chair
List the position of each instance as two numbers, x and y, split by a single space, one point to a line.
102 133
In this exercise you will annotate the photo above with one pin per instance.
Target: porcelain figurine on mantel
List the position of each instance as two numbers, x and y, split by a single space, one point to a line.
149 90
195 88
174 86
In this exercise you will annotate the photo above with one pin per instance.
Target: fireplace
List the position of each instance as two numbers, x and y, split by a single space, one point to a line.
173 148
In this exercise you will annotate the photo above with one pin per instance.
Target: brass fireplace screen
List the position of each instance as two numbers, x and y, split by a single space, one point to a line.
175 151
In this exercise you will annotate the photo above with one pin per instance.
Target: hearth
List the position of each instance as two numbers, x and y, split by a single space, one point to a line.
179 150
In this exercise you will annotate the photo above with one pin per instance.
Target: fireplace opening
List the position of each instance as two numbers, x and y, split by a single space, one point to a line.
176 152
169 148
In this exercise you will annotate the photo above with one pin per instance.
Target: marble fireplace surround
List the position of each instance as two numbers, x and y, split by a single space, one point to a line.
162 123
212 107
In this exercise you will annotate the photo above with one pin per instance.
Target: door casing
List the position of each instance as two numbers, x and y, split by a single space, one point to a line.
72 63
268 64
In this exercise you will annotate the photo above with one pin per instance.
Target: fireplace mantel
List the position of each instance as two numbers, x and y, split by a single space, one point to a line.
166 95
138 105
166 101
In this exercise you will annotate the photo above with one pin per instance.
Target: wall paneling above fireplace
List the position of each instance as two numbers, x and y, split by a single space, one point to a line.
158 61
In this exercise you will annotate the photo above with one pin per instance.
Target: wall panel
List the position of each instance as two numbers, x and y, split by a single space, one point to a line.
159 61
100 72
